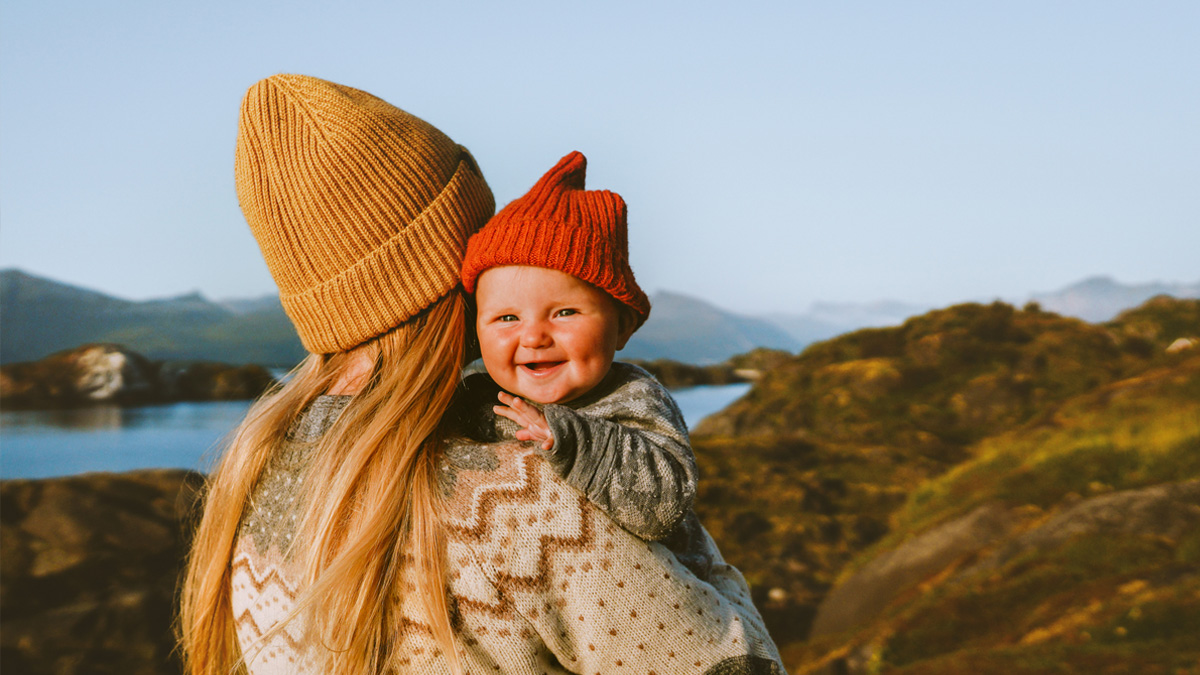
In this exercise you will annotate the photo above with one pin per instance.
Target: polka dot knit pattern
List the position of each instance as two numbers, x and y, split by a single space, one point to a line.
561 226
362 211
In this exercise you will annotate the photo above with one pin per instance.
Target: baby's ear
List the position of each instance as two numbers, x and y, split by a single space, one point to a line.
626 324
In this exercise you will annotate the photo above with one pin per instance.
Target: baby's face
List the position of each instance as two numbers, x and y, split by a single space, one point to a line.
546 336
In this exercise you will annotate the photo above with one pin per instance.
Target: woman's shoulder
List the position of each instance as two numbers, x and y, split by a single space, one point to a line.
485 485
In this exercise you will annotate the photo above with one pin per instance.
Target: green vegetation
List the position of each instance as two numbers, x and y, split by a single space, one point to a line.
841 455
1136 432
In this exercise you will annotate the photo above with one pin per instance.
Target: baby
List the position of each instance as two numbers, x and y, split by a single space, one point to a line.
555 299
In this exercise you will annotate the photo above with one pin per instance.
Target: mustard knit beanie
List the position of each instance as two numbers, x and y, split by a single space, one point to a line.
362 211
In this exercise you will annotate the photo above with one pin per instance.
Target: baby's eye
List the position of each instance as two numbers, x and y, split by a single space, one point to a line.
567 312
507 317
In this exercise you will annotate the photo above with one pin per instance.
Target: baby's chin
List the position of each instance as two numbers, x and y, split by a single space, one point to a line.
544 399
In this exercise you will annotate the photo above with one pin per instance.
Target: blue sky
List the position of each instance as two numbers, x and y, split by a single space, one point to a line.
772 154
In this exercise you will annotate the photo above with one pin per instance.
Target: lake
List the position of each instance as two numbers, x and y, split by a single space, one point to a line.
44 443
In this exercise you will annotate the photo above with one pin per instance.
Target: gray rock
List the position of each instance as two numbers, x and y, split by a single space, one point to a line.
868 591
1168 510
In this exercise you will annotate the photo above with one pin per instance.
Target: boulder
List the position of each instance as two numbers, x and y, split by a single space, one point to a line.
111 374
1170 511
89 571
868 591
991 535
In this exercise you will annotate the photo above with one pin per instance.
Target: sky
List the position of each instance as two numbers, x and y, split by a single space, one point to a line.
773 154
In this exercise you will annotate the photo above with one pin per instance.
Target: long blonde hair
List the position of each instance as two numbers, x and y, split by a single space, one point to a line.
371 503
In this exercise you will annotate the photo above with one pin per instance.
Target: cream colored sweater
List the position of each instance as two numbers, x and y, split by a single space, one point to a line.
542 581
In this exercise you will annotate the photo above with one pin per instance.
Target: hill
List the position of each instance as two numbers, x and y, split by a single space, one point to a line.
969 425
825 320
40 317
1096 300
685 329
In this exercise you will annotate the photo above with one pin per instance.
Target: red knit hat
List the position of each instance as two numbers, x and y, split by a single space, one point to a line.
561 226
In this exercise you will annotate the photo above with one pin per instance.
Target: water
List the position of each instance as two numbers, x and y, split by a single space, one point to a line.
696 403
44 443
38 444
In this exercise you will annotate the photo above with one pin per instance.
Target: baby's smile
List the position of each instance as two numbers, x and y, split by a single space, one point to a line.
541 366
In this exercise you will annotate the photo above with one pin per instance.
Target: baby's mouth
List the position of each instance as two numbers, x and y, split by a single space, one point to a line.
541 366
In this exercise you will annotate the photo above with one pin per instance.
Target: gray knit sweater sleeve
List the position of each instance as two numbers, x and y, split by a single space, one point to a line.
625 446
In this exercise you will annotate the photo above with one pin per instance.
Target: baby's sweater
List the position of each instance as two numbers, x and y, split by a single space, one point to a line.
624 444
542 581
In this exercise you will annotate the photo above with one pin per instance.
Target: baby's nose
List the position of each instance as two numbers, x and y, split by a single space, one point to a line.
535 336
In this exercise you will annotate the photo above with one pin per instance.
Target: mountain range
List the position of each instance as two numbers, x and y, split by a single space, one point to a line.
40 316
1099 299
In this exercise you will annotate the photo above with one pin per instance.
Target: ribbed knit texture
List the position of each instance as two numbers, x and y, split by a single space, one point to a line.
561 226
362 211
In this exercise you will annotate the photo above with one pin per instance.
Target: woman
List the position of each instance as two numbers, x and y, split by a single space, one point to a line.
347 529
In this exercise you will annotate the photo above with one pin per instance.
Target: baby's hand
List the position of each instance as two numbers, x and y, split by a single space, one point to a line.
532 421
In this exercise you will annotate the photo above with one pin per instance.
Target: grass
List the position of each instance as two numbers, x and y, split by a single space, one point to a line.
1086 448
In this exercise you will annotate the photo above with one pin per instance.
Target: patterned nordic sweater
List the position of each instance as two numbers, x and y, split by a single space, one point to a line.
542 580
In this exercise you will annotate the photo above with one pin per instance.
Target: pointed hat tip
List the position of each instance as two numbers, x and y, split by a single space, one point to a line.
570 171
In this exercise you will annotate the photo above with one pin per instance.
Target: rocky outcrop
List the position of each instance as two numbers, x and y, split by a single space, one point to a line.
1169 511
865 593
89 571
973 556
106 373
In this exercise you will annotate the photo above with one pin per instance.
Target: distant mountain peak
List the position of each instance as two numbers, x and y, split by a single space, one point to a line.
1101 298
1100 281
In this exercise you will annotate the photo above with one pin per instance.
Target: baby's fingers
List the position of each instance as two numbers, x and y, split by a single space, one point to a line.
536 434
528 418
505 411
516 403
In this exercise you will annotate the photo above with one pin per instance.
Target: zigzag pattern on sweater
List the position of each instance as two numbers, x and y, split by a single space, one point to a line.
262 598
477 525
